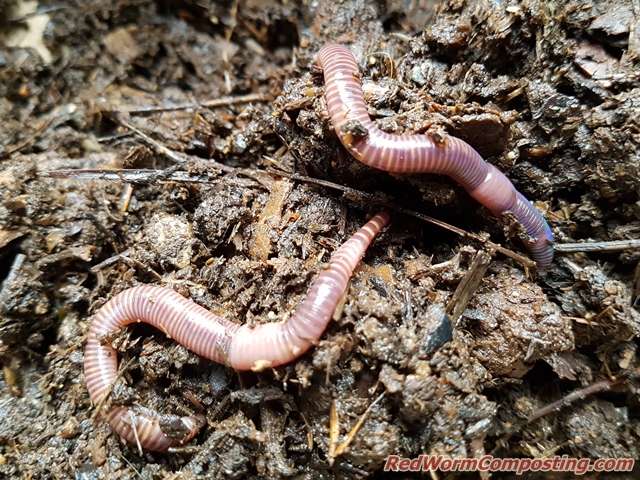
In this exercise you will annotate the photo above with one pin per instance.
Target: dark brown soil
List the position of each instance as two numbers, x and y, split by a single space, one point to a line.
547 91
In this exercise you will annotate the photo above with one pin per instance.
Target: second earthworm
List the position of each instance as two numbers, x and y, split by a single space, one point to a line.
421 153
242 347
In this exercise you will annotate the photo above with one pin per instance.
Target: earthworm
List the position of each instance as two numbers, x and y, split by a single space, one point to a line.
421 153
241 347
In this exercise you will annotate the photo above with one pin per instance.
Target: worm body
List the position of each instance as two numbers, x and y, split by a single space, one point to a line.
420 153
238 346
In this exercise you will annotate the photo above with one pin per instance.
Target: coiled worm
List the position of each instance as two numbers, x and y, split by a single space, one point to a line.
239 346
421 153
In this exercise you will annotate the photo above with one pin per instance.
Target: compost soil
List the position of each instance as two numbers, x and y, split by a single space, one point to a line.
547 91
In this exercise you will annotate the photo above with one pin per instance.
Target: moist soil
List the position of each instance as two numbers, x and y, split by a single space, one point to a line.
239 191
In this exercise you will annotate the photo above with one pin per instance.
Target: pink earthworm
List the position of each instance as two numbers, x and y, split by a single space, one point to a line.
242 347
421 153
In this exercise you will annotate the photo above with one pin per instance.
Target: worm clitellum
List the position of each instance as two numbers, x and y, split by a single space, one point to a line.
421 153
239 346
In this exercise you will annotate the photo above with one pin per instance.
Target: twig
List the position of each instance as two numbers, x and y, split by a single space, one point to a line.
11 277
238 290
610 246
160 149
107 393
141 176
135 433
468 285
215 103
147 177
126 198
338 450
130 464
110 261
228 34
583 321
309 431
38 131
132 262
572 397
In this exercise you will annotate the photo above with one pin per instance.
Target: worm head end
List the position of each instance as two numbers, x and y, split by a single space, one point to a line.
182 429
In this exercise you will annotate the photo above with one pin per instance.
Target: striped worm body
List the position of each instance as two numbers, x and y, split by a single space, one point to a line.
421 153
239 346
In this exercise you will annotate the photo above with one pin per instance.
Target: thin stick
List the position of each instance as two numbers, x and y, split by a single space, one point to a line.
107 393
339 450
142 176
38 131
610 246
130 464
135 433
161 149
572 397
468 285
215 103
110 260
